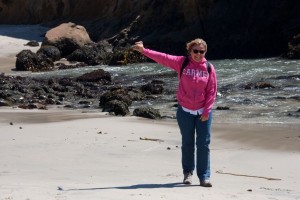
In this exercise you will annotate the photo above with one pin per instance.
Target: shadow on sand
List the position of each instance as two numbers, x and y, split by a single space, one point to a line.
132 187
26 32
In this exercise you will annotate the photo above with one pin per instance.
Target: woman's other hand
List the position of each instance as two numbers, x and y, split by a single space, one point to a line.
203 118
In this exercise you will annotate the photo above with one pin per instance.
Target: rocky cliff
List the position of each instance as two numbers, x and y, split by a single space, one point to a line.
232 28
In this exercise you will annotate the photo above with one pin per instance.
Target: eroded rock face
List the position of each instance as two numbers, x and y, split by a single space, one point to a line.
232 30
32 11
67 37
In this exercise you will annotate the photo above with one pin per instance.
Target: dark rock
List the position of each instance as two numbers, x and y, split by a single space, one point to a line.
5 94
249 86
28 106
96 76
4 103
51 52
155 87
29 61
50 101
124 56
118 94
70 66
289 77
69 106
117 58
258 85
93 54
280 98
85 102
61 98
59 88
66 82
42 97
262 85
116 106
136 95
85 54
32 43
147 112
294 114
222 108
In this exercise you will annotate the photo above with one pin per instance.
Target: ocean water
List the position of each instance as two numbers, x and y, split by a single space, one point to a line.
280 104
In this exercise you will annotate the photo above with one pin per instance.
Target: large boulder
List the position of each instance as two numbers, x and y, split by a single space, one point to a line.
67 37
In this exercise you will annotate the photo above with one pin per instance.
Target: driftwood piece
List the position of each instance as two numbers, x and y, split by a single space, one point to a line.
268 178
151 139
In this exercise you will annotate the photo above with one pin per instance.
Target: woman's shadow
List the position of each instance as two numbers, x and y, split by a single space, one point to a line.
131 187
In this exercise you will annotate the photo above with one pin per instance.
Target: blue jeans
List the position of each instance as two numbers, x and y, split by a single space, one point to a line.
188 124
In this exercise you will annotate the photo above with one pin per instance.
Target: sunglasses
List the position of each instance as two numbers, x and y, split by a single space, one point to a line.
198 51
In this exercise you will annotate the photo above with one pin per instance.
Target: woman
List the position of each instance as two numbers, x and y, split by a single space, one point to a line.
196 95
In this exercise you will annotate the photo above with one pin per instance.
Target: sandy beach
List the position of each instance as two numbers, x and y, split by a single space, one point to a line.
64 154
13 39
58 154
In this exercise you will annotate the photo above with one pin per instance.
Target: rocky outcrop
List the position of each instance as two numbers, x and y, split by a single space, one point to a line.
232 30
81 92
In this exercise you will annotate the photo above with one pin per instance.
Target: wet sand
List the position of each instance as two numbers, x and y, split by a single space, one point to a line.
278 137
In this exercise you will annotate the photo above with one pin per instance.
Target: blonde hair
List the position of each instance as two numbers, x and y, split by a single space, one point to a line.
194 42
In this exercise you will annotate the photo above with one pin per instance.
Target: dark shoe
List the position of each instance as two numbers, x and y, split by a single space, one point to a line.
205 183
187 178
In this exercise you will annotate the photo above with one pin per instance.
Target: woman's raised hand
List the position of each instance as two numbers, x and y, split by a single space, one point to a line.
138 46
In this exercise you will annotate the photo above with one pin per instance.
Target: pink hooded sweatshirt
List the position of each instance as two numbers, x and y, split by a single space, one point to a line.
197 88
